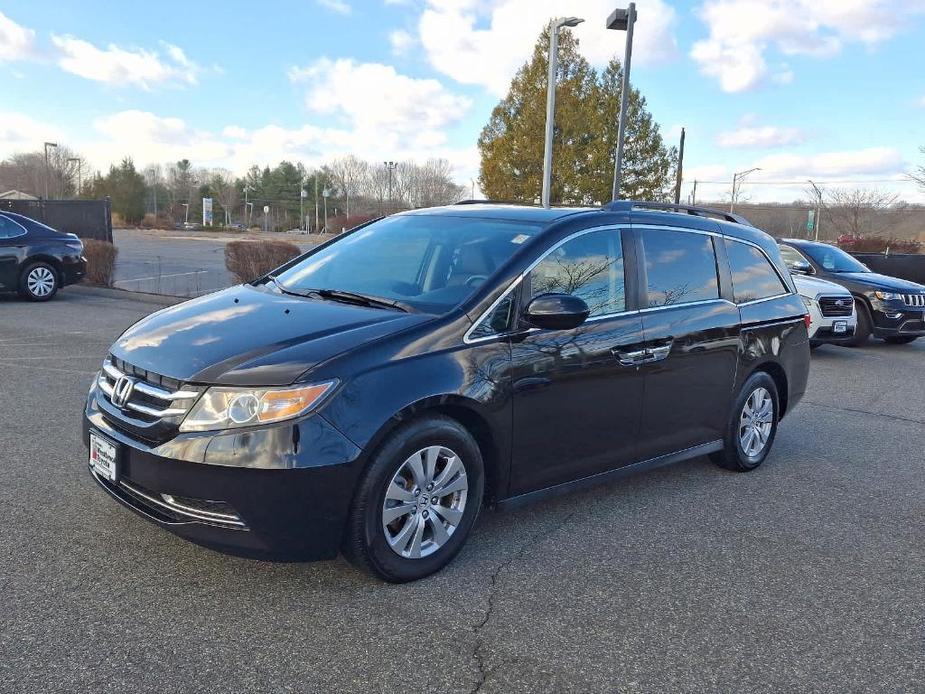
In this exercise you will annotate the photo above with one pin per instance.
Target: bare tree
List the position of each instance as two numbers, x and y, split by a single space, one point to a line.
26 172
348 174
919 174
225 188
862 211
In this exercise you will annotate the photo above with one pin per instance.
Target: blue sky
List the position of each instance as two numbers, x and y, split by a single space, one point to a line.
826 89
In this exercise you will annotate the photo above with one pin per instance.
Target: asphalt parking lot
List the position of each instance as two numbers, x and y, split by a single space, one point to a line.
806 575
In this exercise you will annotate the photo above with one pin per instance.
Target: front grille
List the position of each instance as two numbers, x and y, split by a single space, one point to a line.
836 306
917 300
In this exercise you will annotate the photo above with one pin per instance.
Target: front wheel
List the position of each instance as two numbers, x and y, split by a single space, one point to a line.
38 282
863 329
752 425
417 501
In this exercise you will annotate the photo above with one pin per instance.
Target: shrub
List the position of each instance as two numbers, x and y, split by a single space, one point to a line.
101 261
248 260
878 244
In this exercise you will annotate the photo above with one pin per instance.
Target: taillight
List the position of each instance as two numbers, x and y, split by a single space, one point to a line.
807 319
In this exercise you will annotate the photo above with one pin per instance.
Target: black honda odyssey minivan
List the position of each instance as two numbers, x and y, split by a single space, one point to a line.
373 394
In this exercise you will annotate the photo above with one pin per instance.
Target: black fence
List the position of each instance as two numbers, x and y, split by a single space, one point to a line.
89 219
908 266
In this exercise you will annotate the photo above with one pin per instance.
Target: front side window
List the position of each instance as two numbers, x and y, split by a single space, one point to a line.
835 259
429 262
590 266
791 255
9 229
753 276
680 267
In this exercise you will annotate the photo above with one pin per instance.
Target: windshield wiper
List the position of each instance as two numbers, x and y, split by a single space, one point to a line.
362 299
286 290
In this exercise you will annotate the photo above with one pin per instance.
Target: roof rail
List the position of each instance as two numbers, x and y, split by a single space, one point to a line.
493 202
628 205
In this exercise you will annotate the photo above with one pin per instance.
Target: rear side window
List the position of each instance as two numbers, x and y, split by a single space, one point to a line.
9 229
753 276
680 267
589 266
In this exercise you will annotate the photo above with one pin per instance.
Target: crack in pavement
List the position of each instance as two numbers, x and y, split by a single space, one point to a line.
868 412
483 672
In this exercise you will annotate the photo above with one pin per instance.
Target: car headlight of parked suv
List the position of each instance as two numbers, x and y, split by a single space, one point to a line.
226 408
887 296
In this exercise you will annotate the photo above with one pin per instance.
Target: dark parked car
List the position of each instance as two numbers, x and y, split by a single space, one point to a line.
373 393
888 307
36 260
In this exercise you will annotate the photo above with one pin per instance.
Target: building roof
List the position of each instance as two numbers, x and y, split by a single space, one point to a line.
16 195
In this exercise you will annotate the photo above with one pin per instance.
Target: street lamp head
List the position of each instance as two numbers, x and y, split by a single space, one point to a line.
570 21
51 144
619 19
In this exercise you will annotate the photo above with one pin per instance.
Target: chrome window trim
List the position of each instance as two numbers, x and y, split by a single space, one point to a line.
767 298
699 302
467 337
10 219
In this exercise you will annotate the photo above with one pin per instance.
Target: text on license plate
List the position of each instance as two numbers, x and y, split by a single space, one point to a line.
103 458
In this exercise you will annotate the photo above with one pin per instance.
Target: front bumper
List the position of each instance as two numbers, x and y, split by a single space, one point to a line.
821 328
293 508
899 321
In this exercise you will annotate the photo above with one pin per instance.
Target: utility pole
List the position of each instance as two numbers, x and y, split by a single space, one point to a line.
818 210
390 166
677 185
47 145
622 20
694 194
553 60
317 228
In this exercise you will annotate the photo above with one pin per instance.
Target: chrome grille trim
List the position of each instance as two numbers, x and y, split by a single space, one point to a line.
917 300
168 397
148 389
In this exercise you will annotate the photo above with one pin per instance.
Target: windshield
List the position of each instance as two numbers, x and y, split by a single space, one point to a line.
834 259
431 263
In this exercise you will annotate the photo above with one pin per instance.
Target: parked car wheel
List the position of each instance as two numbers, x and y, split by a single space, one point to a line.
38 282
752 425
862 332
417 501
900 339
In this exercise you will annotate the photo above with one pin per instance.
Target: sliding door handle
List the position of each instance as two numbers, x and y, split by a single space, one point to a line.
630 358
659 352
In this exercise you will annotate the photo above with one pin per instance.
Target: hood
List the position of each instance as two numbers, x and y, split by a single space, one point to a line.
252 336
812 286
877 281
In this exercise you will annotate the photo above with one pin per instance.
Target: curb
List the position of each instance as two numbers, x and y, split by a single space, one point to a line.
141 297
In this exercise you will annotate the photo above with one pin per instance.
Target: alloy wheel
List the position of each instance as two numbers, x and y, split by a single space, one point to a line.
756 422
425 502
40 281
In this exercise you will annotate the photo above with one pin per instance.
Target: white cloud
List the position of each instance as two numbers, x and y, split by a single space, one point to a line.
845 164
22 133
921 101
400 41
763 136
16 41
120 66
379 104
741 32
484 42
339 6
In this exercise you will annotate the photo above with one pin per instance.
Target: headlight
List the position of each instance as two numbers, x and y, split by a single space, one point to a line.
886 296
807 301
227 408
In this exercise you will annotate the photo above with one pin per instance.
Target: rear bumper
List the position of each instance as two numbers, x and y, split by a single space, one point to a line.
283 514
73 270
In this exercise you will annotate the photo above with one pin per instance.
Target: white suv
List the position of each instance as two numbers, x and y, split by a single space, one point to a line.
831 310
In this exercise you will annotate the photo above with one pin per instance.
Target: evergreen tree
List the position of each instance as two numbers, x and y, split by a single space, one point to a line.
584 140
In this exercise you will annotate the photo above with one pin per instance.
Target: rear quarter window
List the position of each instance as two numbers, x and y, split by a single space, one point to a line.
753 276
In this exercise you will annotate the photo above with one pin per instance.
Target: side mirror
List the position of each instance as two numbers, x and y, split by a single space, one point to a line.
801 267
556 312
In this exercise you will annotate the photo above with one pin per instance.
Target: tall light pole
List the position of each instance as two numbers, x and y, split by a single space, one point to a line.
737 181
47 145
71 160
186 215
390 167
302 195
622 20
554 26
317 228
326 193
818 210
247 218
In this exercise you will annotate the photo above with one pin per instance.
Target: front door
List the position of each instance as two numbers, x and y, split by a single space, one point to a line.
692 335
576 393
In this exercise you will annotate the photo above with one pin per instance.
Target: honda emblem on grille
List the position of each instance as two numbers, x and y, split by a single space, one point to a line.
122 390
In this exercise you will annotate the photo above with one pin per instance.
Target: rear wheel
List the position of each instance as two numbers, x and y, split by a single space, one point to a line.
417 501
862 332
900 339
752 425
38 282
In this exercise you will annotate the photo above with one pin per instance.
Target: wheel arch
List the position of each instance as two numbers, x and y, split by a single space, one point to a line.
779 376
42 258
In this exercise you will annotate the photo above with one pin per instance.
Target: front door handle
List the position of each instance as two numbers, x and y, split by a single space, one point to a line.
660 352
631 358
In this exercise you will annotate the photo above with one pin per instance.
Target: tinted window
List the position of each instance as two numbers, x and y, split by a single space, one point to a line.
9 228
753 277
791 255
431 262
589 266
680 267
835 259
498 321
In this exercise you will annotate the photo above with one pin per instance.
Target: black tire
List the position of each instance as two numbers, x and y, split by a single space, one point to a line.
733 456
34 290
900 339
862 332
365 543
